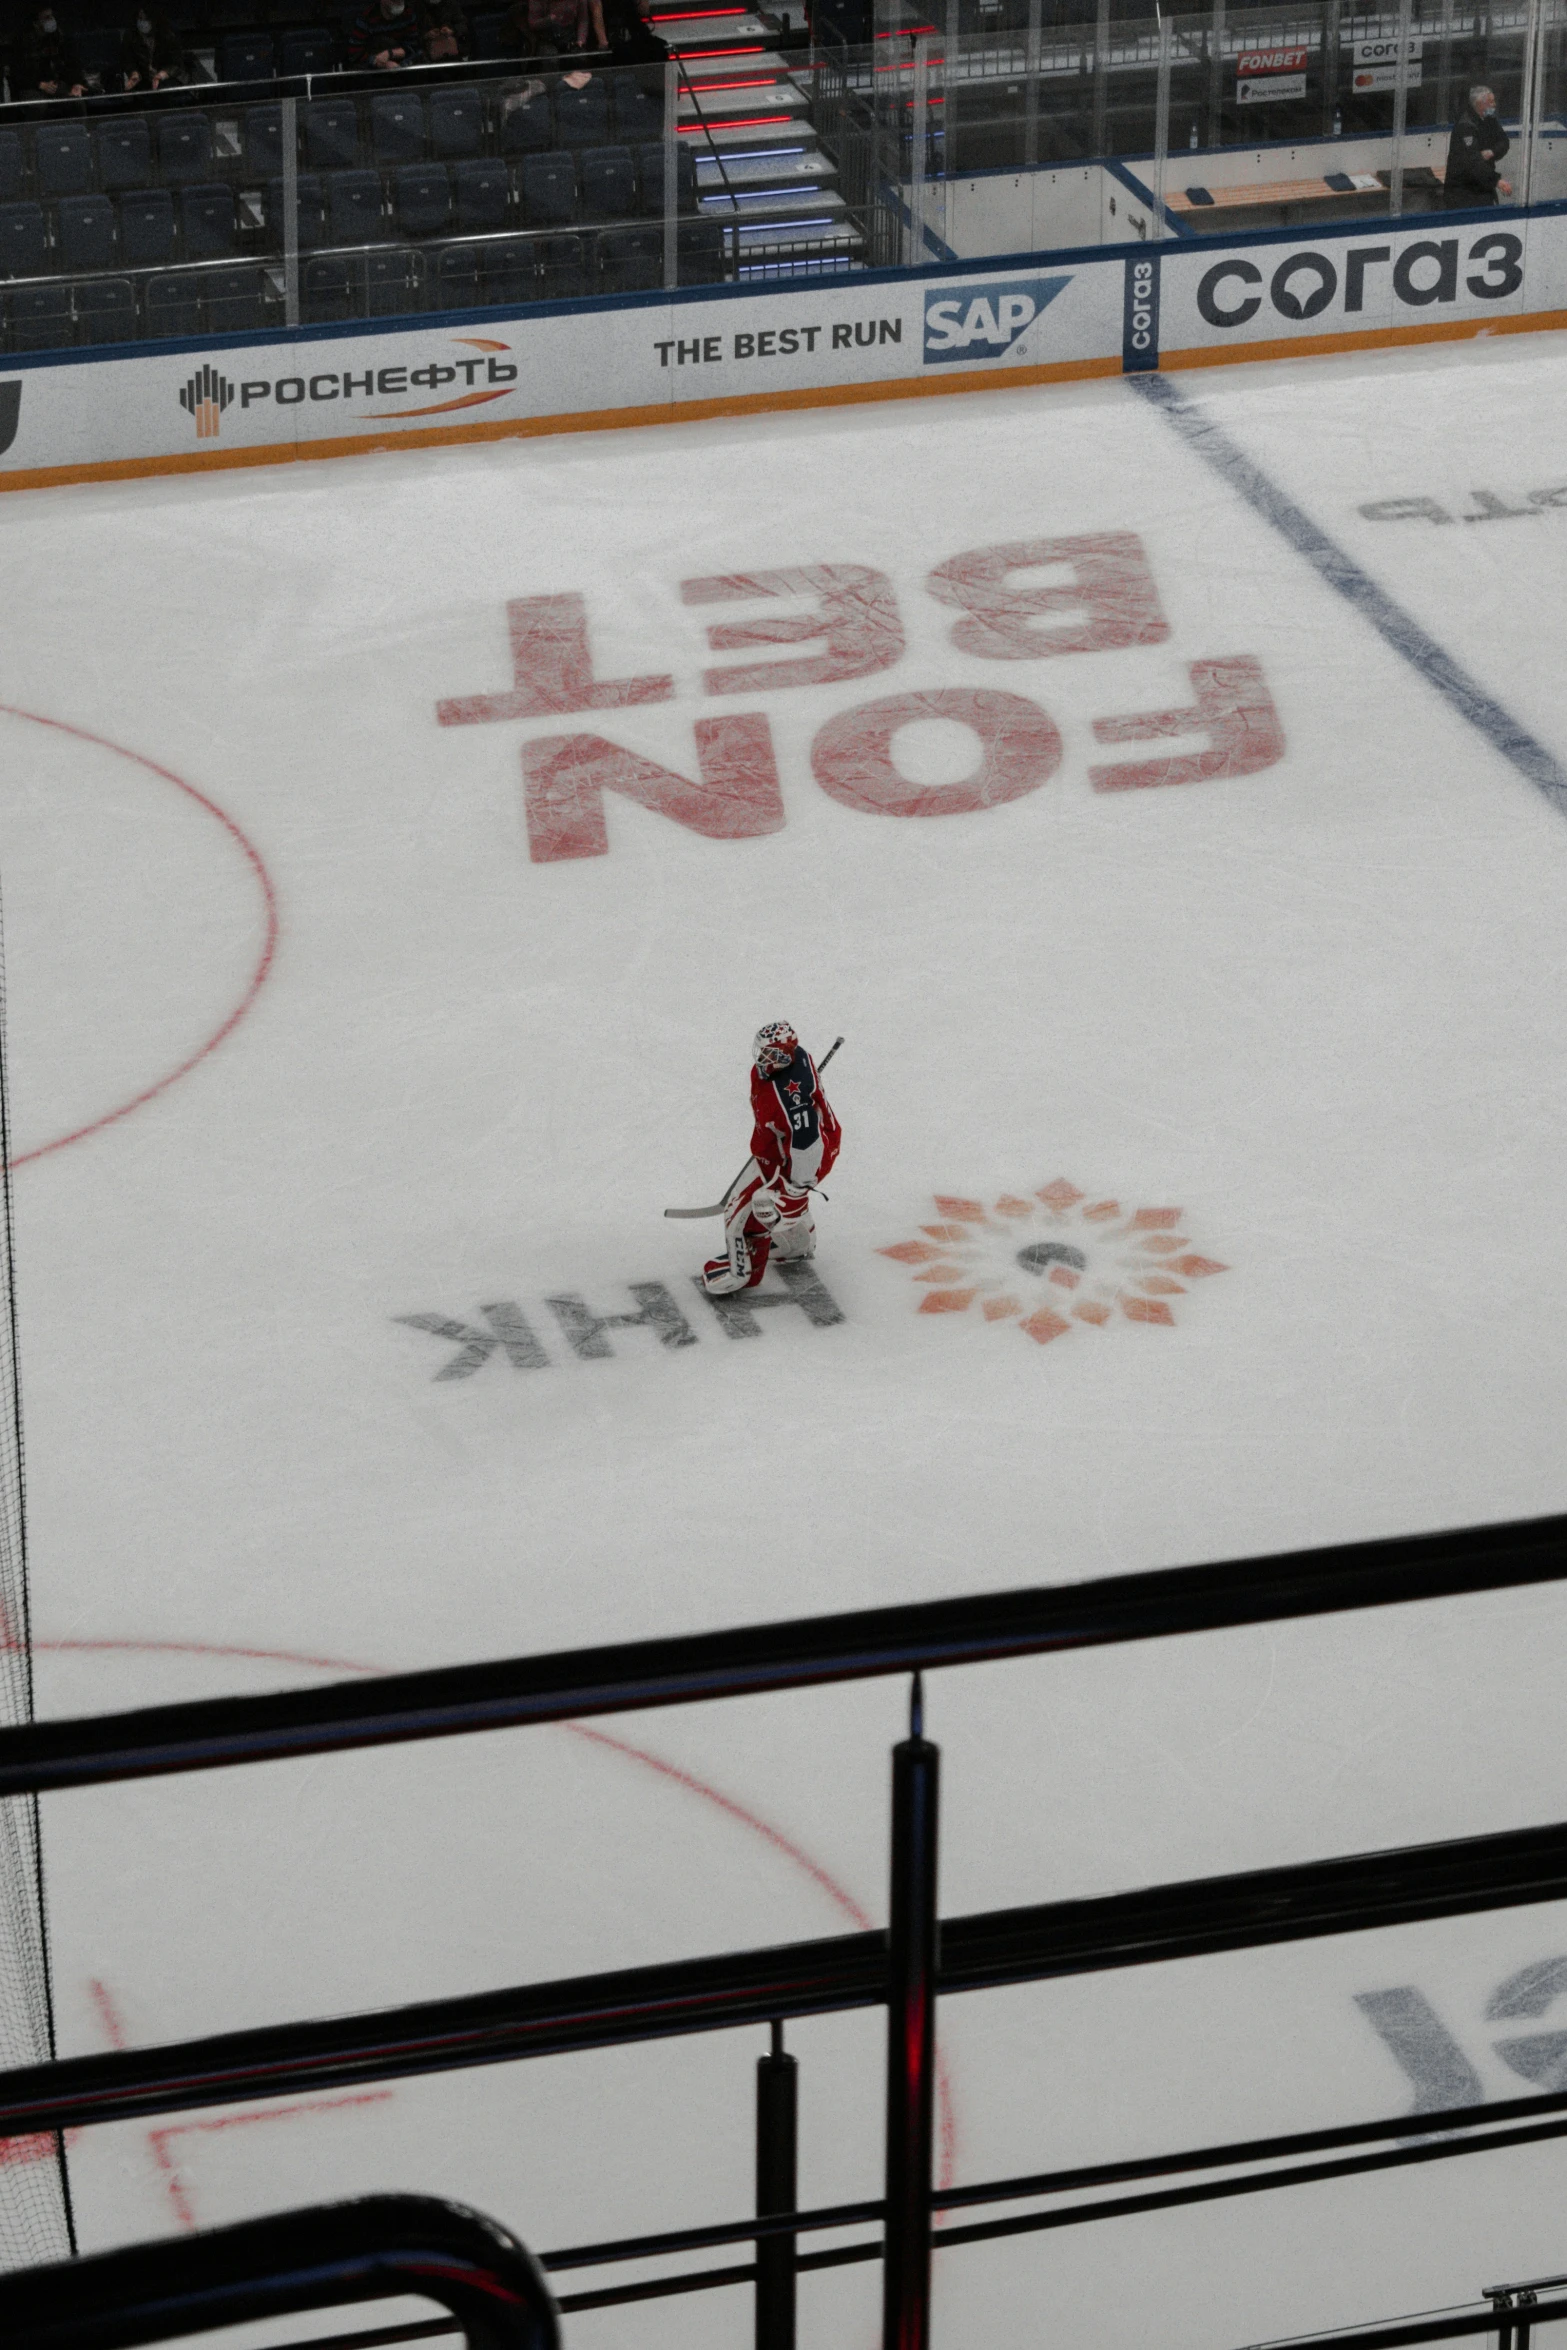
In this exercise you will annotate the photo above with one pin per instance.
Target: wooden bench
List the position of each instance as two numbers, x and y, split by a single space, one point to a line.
1295 201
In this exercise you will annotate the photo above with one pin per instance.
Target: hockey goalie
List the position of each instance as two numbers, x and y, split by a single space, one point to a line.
794 1142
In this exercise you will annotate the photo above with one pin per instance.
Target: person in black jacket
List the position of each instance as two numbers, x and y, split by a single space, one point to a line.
1475 149
150 52
44 63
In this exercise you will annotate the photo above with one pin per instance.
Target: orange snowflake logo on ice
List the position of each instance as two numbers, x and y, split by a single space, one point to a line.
1081 1260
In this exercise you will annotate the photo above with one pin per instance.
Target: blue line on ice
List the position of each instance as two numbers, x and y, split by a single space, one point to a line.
1357 587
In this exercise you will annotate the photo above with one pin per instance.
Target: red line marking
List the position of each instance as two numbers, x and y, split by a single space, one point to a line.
257 978
677 1776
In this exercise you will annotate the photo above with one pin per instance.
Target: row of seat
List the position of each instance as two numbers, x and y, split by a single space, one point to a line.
251 43
189 144
337 288
436 199
146 228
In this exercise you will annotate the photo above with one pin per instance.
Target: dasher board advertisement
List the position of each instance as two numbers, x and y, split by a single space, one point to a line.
644 359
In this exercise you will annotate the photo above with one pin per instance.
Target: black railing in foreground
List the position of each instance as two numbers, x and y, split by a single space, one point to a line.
372 2250
905 1969
635 1676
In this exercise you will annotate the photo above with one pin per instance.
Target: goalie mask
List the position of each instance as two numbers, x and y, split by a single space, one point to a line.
775 1047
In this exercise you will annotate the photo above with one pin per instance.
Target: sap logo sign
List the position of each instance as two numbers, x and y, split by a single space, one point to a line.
968 324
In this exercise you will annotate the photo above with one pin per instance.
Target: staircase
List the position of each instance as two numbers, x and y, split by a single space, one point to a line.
760 169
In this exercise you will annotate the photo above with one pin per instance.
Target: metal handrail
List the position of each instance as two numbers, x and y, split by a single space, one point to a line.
379 2248
903 1970
1153 1926
636 1676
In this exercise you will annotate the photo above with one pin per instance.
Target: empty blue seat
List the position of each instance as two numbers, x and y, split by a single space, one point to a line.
394 283
246 57
329 290
482 192
650 177
147 228
563 273
331 134
511 270
422 199
456 124
490 30
87 237
62 157
12 174
309 49
527 126
582 116
23 245
639 113
184 142
312 211
106 311
396 127
207 222
174 306
456 280
354 214
261 130
631 260
549 190
124 153
609 183
700 252
236 301
38 318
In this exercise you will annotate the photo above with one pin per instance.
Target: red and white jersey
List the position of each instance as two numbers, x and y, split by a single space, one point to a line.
794 1137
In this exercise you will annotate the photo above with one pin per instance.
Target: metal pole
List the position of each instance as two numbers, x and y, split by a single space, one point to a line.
1331 45
1395 176
1101 47
1444 78
911 2035
1529 102
777 2138
1217 32
289 135
671 174
919 125
1031 94
1161 136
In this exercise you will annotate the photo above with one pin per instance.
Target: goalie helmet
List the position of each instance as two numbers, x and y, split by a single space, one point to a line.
775 1047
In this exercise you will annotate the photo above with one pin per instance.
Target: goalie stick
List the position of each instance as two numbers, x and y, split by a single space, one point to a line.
691 1215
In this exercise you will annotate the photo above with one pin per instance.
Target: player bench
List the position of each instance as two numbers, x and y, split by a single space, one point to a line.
1336 195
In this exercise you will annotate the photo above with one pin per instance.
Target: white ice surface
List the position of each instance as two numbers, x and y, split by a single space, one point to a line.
1322 1009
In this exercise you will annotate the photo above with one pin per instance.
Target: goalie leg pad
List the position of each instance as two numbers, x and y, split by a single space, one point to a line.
743 1265
794 1234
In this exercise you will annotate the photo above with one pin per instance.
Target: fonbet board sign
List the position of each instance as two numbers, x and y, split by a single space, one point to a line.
648 358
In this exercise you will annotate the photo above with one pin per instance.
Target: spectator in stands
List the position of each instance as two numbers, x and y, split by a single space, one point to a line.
44 63
555 28
446 35
1475 149
150 53
384 34
630 37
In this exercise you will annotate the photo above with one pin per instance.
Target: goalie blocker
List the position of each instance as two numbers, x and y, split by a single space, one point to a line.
794 1143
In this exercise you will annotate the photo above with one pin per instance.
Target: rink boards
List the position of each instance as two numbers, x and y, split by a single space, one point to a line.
1036 318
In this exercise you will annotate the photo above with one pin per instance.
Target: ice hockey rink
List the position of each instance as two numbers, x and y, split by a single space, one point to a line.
338 1053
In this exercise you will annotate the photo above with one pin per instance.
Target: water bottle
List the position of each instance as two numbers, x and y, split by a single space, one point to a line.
1192 141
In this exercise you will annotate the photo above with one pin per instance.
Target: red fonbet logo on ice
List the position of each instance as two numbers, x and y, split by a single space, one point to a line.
1052 1260
1098 596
